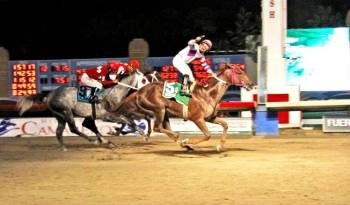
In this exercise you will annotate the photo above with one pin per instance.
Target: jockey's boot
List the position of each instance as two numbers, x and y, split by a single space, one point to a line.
185 87
93 95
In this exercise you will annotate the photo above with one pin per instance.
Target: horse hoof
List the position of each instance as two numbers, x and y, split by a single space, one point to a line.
97 142
111 145
64 149
183 143
146 139
219 148
189 149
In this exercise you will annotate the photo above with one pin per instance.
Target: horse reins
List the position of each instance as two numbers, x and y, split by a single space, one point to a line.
128 86
154 77
220 80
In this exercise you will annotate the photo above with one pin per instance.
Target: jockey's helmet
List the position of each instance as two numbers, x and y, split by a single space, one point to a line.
208 43
113 65
135 64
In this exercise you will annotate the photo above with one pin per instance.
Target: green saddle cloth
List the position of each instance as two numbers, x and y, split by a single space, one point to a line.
172 90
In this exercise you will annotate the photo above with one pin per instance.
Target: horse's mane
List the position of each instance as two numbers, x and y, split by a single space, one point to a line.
127 80
211 80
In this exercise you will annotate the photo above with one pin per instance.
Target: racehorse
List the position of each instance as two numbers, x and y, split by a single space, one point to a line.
202 106
64 105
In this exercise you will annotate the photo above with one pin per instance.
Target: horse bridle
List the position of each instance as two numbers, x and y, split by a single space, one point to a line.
219 79
233 74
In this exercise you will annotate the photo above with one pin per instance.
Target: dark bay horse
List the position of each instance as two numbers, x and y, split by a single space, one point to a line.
202 108
64 105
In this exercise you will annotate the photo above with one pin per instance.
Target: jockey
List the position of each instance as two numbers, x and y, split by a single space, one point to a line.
106 75
195 50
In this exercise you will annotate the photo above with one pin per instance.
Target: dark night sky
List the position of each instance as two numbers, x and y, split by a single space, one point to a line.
96 29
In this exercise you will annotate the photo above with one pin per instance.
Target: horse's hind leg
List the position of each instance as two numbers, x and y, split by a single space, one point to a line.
59 132
90 124
73 128
164 127
149 131
224 125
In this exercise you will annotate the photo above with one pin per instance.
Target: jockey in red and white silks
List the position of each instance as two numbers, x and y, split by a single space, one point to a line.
107 75
195 50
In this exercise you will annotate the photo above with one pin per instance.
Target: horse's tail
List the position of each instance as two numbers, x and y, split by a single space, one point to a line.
147 112
25 103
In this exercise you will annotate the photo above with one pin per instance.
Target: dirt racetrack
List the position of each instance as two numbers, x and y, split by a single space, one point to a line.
299 167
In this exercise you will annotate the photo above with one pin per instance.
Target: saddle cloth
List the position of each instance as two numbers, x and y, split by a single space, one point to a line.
84 93
172 90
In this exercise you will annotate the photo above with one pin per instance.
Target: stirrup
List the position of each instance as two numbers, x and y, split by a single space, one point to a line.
94 99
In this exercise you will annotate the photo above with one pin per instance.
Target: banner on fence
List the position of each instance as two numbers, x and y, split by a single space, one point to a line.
47 127
336 124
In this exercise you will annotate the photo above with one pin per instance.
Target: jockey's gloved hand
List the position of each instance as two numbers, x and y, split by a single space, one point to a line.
199 38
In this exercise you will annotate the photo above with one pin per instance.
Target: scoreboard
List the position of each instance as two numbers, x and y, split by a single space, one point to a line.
36 76
24 79
31 77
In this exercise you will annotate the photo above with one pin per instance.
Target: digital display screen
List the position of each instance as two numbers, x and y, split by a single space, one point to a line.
23 80
169 73
60 68
60 79
318 59
33 77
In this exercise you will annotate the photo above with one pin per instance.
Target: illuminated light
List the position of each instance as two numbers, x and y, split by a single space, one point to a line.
19 73
31 66
22 80
65 68
31 86
22 86
55 68
43 68
32 79
19 67
60 80
318 62
30 73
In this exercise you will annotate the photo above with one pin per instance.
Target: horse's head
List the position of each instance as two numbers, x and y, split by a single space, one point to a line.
235 75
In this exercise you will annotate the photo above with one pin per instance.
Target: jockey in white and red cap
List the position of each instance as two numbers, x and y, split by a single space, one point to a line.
195 50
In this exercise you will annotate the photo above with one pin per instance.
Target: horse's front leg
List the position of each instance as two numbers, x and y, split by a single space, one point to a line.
90 124
203 127
223 123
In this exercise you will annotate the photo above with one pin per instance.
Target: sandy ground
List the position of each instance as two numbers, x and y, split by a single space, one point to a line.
298 167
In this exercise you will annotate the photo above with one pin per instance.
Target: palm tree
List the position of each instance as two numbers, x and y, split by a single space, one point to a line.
325 16
247 23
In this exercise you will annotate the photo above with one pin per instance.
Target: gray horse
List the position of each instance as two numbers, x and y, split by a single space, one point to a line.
64 105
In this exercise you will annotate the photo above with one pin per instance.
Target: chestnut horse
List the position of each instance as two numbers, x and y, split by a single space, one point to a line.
148 101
